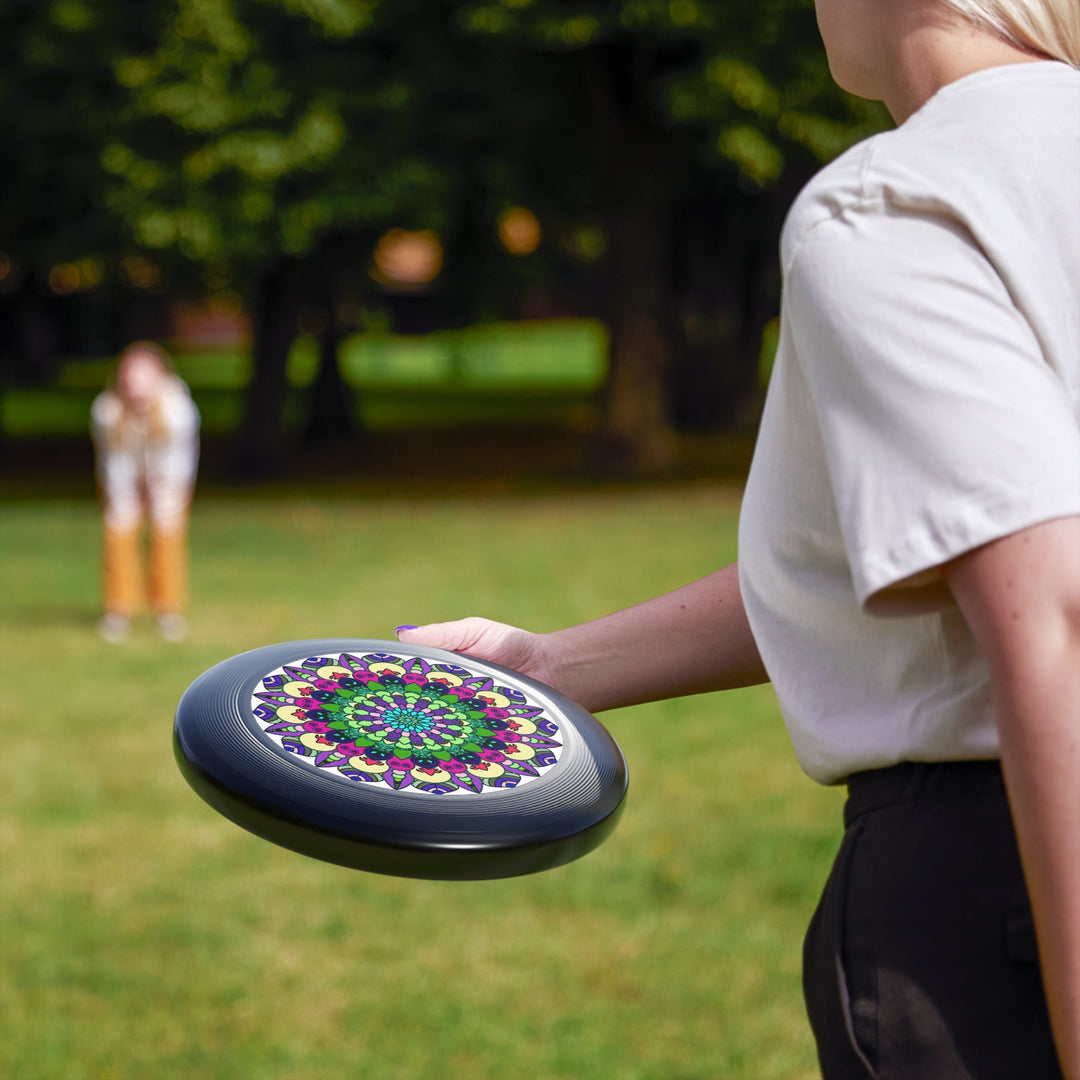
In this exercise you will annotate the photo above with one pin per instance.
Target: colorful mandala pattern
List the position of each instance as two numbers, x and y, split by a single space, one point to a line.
407 723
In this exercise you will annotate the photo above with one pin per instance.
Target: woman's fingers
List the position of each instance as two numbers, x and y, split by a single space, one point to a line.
509 646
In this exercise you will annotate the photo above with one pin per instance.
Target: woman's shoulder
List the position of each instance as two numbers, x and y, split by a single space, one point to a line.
997 142
176 389
177 407
831 192
106 409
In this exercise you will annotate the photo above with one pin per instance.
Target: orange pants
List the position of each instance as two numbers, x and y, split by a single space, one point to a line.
124 585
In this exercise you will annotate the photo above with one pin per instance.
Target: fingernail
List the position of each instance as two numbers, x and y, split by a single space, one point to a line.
398 629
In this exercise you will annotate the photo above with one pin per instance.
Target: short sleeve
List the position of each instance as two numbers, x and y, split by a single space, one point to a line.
944 426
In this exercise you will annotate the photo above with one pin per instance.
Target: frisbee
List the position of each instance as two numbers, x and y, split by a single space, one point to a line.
400 759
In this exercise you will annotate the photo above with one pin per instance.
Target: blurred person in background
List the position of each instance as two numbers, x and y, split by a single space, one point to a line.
909 549
146 437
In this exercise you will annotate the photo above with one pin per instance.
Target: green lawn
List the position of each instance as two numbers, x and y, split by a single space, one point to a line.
508 373
145 937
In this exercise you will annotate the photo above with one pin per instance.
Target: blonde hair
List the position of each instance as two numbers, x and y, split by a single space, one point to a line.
1048 27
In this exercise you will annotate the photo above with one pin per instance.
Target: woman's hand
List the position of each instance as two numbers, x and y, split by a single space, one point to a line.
497 642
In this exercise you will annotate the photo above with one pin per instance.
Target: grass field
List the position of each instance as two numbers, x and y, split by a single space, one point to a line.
145 937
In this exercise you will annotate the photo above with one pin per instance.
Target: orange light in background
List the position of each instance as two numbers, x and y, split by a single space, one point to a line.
64 279
70 277
5 266
519 231
407 259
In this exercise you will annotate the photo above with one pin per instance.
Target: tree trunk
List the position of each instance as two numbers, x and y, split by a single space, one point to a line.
636 419
331 418
727 285
35 337
635 192
261 447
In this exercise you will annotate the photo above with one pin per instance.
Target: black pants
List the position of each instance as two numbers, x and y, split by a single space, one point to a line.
920 961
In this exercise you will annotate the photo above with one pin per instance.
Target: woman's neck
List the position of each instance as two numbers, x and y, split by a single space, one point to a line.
930 53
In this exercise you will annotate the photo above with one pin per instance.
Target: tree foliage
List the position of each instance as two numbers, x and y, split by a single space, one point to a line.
264 145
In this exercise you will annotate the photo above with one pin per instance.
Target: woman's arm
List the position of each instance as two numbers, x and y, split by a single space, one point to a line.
1021 598
689 641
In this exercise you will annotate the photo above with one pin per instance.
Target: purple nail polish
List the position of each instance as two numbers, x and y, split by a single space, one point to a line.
398 629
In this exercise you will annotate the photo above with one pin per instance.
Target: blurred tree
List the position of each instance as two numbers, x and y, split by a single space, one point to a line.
261 147
272 132
296 133
697 122
59 106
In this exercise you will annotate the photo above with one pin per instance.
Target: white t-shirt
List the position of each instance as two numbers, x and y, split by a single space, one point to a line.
143 463
925 400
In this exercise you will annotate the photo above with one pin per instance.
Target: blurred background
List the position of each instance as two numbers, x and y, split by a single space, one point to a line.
477 301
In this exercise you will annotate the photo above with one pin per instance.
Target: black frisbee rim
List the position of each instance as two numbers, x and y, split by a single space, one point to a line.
230 764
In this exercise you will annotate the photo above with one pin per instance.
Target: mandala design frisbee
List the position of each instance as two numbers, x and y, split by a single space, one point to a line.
417 761
402 721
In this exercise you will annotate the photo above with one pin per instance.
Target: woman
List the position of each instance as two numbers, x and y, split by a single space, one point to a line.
145 430
909 574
